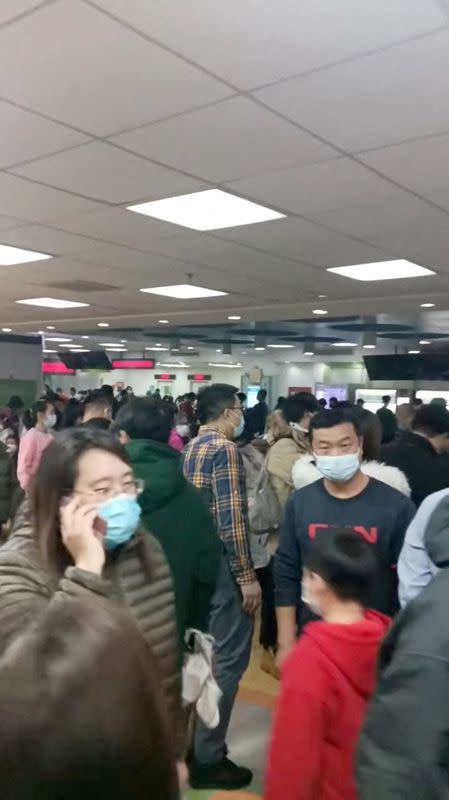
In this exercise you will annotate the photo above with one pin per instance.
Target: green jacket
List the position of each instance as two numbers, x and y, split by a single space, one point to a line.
177 515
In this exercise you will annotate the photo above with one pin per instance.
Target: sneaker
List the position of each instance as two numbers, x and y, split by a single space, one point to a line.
225 775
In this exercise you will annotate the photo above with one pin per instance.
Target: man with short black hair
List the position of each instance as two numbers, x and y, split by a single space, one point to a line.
345 497
97 410
256 418
213 464
387 419
423 453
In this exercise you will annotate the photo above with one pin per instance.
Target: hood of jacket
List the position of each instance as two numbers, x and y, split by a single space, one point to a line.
351 650
437 535
159 465
305 472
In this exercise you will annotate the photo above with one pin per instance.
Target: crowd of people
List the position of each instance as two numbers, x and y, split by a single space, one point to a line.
130 522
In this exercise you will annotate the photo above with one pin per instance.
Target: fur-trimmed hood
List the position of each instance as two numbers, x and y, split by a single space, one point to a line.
305 472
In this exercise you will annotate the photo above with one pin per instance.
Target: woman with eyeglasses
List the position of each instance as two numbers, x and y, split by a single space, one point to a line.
78 535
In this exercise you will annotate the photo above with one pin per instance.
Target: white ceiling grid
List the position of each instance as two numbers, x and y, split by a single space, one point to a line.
336 114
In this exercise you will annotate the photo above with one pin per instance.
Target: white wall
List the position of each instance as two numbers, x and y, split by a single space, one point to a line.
143 380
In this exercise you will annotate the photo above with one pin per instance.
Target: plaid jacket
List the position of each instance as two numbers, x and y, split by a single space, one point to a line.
214 465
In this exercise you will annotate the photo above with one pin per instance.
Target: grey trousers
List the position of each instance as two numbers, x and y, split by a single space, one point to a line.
232 629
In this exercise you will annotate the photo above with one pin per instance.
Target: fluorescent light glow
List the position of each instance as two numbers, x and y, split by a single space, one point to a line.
49 351
57 339
225 366
244 352
344 344
79 350
369 346
15 255
281 346
414 352
84 337
123 341
109 344
218 351
286 362
102 324
190 348
322 296
382 270
207 211
172 364
184 291
6 330
424 341
308 353
234 318
51 302
117 349
320 312
259 348
164 322
427 305
50 327
158 349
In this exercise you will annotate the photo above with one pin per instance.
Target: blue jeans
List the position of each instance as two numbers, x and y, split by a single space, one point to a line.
232 629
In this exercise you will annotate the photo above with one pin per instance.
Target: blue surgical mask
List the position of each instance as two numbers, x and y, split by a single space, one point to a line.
122 515
238 429
338 468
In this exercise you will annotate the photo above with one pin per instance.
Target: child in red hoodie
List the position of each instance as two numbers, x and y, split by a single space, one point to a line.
329 676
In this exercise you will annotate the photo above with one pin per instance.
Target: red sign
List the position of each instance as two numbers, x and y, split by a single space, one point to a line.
199 377
56 368
141 363
296 389
165 376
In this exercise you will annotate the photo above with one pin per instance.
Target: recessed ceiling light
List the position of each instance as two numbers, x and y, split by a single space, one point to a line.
259 348
158 349
7 330
49 351
382 270
79 350
123 341
40 333
172 364
308 353
234 318
369 346
244 353
15 255
190 348
109 344
427 305
322 296
50 327
164 322
184 291
208 210
281 346
414 352
225 366
424 341
117 349
320 312
102 324
218 351
84 337
344 344
51 302
57 339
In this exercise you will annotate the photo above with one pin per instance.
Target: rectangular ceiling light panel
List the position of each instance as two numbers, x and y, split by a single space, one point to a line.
207 211
184 291
382 270
51 302
15 255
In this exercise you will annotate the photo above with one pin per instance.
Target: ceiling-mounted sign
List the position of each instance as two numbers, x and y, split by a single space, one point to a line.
199 377
165 376
133 363
297 389
56 368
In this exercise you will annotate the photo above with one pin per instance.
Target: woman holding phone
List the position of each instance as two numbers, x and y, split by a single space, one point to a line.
78 536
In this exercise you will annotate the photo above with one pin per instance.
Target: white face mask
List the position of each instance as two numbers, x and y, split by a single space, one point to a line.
50 421
182 430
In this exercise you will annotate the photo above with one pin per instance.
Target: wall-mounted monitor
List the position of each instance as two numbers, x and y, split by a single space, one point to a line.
199 377
93 360
133 363
419 367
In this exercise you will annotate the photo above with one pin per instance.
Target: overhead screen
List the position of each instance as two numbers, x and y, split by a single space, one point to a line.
94 360
419 367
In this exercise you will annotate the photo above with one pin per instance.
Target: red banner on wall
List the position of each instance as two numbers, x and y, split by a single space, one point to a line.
296 389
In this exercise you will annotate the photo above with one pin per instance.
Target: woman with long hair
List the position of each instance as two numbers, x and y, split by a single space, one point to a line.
81 713
78 535
39 420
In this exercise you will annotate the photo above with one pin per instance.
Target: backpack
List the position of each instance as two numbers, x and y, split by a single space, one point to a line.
264 511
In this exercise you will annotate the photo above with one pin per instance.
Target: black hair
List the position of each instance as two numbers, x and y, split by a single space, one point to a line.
214 400
431 420
241 396
146 418
15 403
190 396
323 402
72 413
280 403
386 398
97 397
371 431
297 405
100 423
262 394
345 561
108 391
30 415
334 417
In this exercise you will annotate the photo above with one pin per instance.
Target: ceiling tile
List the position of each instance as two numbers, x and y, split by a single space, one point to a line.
330 184
94 73
26 136
303 241
229 140
396 94
11 9
7 223
259 41
35 203
104 172
420 165
119 226
46 240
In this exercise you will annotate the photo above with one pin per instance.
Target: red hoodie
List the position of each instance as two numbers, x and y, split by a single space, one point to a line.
326 683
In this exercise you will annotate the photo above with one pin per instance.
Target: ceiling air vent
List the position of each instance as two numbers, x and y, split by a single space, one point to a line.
82 286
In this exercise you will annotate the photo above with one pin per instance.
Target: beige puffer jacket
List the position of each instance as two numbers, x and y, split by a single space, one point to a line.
137 578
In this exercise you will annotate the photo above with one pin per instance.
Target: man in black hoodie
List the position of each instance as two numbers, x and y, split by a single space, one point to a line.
404 747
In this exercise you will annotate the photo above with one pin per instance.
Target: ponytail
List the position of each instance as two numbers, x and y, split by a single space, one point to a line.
30 415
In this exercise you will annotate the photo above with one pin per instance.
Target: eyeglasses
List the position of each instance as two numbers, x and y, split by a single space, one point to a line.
131 487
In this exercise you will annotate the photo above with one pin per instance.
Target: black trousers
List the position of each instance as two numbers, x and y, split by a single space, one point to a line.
268 627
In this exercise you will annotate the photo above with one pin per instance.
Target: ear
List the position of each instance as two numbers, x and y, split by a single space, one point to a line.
124 438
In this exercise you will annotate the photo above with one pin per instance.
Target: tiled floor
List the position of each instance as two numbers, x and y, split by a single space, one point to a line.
249 730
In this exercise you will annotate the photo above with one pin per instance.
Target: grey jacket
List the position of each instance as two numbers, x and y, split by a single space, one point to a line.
137 577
